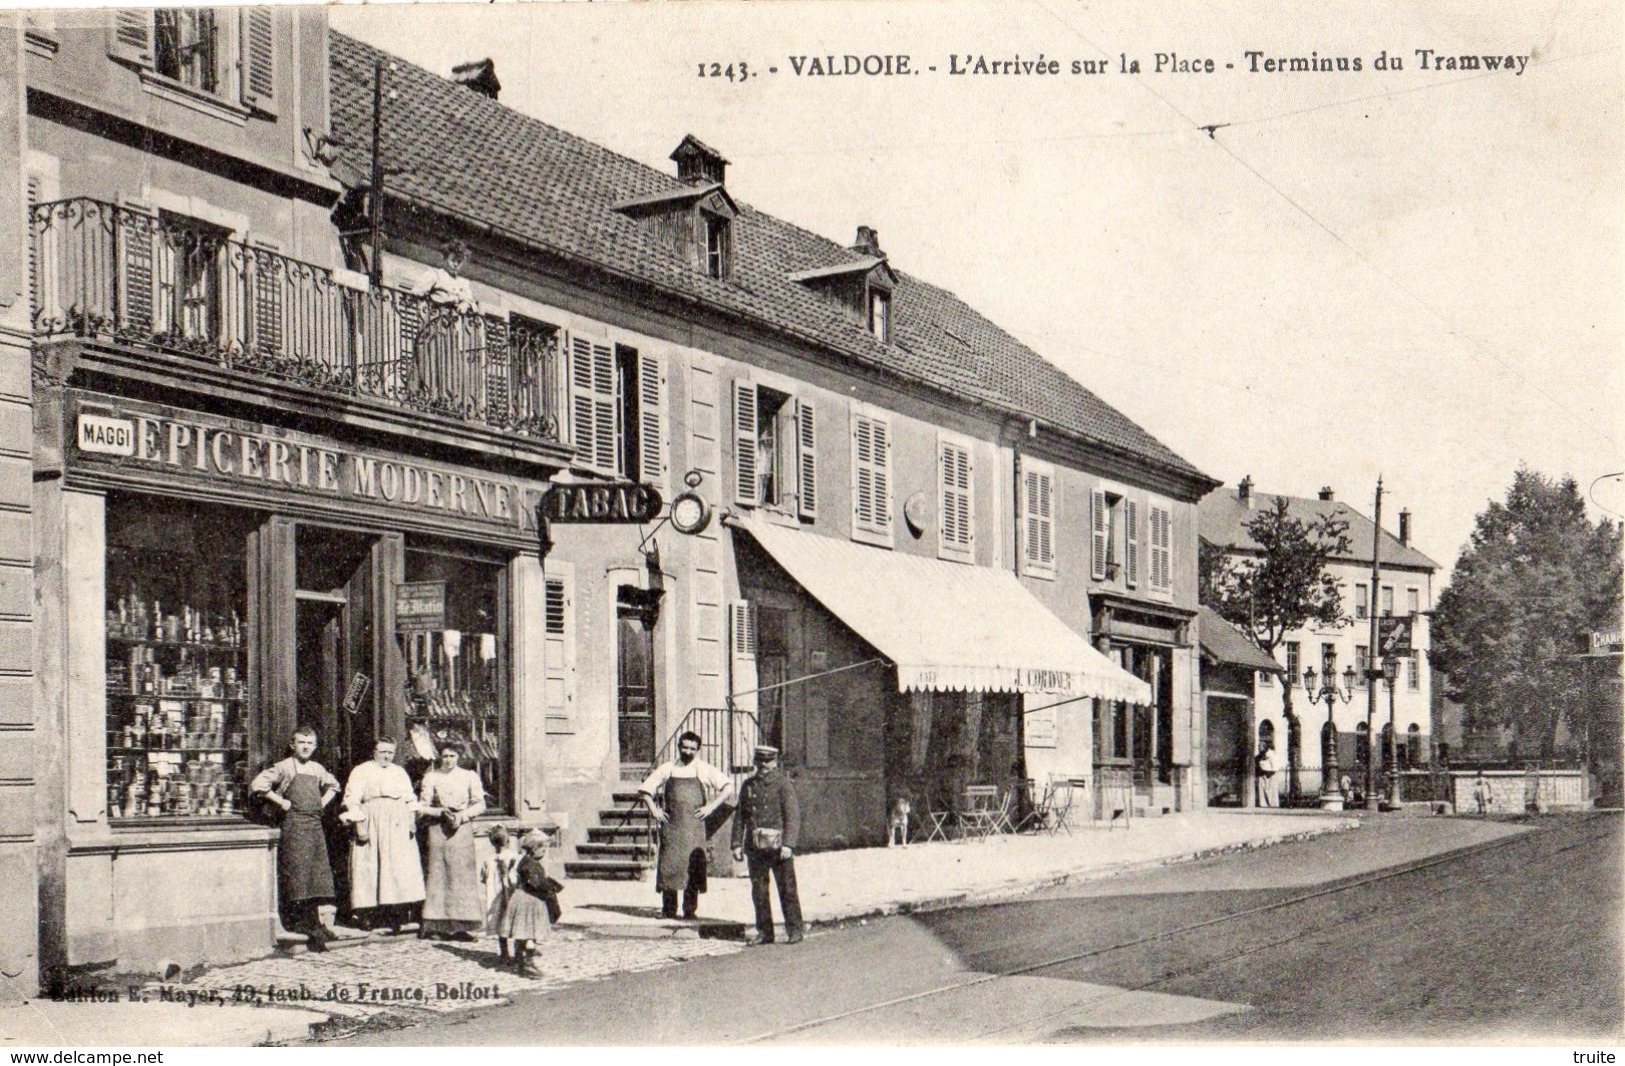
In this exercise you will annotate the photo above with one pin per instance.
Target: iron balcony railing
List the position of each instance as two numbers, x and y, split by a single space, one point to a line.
181 286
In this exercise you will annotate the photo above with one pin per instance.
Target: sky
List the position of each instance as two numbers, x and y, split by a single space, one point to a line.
1413 273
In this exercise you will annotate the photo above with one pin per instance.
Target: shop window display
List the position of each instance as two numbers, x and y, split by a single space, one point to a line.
457 663
177 677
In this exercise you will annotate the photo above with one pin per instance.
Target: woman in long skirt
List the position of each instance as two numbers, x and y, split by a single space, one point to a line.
452 798
386 873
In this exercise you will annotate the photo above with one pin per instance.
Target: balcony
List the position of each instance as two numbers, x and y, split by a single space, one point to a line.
230 314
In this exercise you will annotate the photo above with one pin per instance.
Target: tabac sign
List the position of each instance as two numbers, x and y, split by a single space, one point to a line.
1394 636
603 503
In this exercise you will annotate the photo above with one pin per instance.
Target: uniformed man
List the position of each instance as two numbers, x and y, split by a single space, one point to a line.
765 832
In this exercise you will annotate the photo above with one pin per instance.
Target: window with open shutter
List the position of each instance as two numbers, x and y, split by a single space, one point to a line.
136 236
1038 518
745 481
1160 530
871 478
559 637
806 461
258 59
956 506
1099 538
268 282
593 407
652 444
742 655
1131 542
131 35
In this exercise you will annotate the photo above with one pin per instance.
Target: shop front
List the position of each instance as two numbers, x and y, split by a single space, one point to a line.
1147 742
217 582
899 676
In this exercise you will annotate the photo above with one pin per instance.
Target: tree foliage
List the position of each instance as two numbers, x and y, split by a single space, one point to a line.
1536 576
1282 584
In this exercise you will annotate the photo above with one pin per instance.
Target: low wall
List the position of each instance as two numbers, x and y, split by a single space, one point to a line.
1517 791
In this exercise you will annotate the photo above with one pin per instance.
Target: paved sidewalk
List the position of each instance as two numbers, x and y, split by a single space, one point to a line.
613 927
839 886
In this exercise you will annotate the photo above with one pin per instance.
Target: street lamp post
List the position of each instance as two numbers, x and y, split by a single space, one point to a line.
1331 793
1390 671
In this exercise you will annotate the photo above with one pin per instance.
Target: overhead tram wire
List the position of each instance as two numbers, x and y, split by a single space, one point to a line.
1481 347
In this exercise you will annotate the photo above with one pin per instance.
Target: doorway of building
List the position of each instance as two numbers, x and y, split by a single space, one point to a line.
1227 754
333 662
635 681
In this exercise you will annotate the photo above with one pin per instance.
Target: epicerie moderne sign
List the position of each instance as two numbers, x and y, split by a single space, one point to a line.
191 445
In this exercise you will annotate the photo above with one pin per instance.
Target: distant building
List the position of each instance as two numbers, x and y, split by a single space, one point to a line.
1406 588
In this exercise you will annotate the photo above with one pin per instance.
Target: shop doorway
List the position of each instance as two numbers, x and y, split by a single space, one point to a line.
333 667
635 682
1227 751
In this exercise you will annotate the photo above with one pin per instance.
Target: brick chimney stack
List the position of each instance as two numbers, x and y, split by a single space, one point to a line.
1405 527
480 75
1244 491
868 242
1326 492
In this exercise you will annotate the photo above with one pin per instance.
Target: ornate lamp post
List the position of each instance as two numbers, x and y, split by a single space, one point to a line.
1331 795
1390 672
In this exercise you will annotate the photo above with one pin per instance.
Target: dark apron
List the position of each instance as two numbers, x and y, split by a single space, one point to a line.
302 859
682 839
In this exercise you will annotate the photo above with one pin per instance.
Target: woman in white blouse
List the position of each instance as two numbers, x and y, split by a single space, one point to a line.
452 798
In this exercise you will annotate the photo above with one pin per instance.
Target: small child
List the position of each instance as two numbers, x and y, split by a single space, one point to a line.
525 919
499 875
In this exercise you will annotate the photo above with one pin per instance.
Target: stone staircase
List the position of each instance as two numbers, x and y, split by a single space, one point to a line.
620 847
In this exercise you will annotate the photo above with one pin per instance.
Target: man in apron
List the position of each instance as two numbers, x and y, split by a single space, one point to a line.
302 788
683 784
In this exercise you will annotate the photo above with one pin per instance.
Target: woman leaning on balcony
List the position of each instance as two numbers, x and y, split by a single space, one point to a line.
450 346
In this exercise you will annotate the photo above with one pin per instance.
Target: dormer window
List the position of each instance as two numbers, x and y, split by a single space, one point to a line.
717 239
880 313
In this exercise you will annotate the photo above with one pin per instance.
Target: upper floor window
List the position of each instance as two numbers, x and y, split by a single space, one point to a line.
1328 663
617 410
1106 522
1413 601
880 313
1387 600
871 478
775 454
1362 601
1413 671
1160 527
957 501
1362 663
228 54
1293 662
1038 508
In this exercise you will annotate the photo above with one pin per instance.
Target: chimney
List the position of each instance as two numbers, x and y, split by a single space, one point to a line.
480 75
698 163
1405 527
868 243
1244 491
1326 492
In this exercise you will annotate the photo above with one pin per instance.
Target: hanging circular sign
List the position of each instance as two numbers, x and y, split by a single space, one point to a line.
917 513
689 513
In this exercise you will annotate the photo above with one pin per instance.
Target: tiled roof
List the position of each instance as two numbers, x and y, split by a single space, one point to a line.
1223 517
471 157
1224 643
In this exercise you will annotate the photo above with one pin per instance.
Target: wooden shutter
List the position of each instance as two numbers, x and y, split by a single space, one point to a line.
746 485
1131 543
130 36
806 461
1038 511
593 406
1098 539
267 286
559 643
258 59
742 654
137 238
957 508
1046 520
871 462
652 444
1161 537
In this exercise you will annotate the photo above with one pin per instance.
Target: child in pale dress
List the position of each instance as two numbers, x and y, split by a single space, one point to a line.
499 874
525 918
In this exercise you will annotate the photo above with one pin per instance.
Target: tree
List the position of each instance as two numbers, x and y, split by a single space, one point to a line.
1536 576
1276 585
